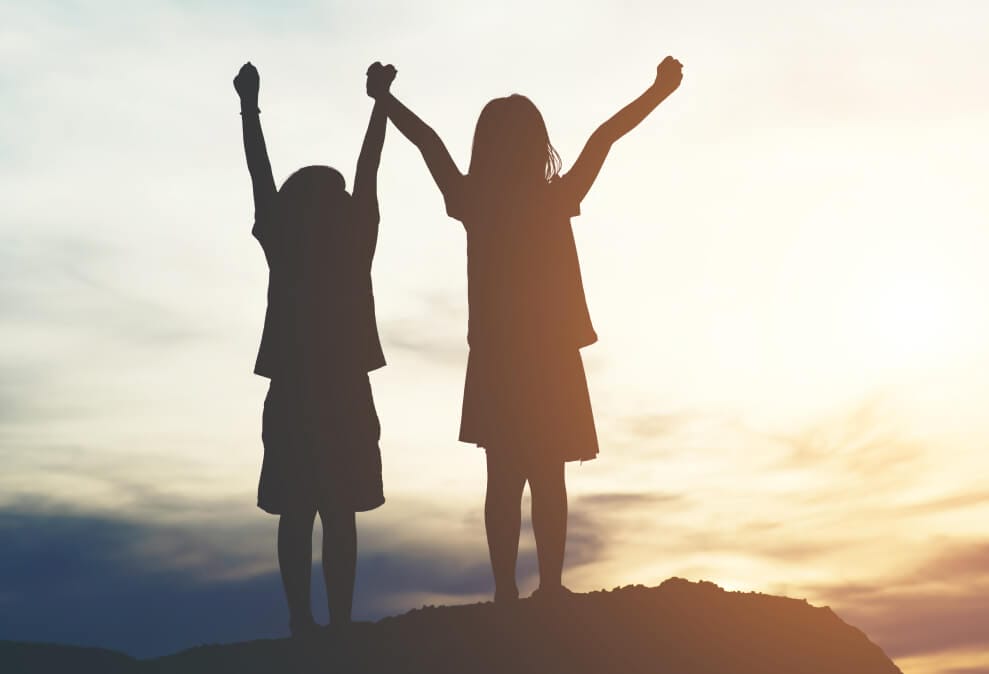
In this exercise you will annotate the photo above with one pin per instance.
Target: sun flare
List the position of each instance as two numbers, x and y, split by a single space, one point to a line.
908 317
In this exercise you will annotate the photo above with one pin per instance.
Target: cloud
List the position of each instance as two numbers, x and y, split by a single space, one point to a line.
651 437
939 605
864 441
418 337
656 426
149 584
149 589
75 290
437 332
969 562
948 503
908 623
124 248
21 395
625 501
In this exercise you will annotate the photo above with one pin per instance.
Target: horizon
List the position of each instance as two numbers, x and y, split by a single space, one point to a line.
784 265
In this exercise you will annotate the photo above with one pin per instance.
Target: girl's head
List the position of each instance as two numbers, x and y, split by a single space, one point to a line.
511 145
312 198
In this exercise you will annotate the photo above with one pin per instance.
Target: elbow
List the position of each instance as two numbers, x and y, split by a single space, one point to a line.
602 139
428 142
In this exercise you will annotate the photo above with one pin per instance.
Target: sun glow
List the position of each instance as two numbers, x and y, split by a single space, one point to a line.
912 314
881 304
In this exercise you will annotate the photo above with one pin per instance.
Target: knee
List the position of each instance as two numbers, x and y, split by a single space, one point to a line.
297 519
338 522
548 480
504 475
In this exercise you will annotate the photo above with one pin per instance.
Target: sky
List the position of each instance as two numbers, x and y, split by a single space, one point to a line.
784 265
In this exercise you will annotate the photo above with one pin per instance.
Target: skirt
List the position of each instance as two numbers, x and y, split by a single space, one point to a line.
533 404
320 448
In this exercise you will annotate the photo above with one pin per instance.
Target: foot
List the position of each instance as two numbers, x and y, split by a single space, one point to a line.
350 630
339 626
505 597
303 628
551 593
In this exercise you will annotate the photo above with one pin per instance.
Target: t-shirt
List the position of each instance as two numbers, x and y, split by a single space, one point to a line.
320 316
523 274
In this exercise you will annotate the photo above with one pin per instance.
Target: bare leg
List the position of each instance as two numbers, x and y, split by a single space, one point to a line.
295 564
339 563
549 522
503 522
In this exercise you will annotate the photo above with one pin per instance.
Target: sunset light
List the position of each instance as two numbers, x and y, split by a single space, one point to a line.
785 264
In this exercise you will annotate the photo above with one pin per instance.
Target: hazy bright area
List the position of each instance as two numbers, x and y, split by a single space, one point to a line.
785 265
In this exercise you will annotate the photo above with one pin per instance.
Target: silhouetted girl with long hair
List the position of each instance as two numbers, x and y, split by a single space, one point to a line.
320 340
525 396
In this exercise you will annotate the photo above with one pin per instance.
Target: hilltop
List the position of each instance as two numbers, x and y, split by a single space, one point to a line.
679 627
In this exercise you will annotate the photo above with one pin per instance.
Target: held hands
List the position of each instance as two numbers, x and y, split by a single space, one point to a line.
247 83
379 79
669 73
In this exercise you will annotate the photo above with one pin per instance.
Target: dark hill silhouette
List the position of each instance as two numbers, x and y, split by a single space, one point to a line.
28 658
677 628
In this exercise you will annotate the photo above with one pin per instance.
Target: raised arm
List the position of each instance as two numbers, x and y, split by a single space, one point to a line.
585 170
247 83
434 152
379 78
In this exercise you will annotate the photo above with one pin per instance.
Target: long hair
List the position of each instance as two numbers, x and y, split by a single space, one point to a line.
511 148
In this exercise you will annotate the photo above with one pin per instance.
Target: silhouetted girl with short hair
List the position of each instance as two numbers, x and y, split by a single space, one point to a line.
525 396
320 340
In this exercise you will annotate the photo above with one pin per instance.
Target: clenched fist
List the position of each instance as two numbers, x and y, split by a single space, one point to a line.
247 83
379 79
669 74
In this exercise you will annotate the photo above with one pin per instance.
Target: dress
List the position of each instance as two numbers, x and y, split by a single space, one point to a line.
319 426
525 390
